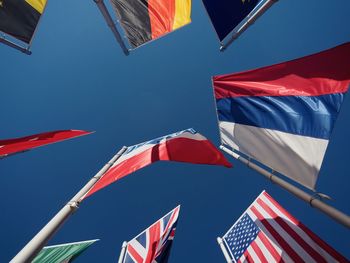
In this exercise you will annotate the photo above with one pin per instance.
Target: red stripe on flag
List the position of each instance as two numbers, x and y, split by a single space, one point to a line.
248 257
311 234
177 149
154 239
161 14
307 248
134 254
284 245
318 74
258 252
270 247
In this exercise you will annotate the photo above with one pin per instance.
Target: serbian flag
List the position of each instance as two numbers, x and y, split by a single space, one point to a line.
283 115
184 146
12 146
146 20
154 244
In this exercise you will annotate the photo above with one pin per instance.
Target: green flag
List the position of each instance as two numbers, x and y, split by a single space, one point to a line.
63 253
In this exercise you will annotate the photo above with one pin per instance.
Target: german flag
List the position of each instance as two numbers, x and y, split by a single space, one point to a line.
19 18
145 20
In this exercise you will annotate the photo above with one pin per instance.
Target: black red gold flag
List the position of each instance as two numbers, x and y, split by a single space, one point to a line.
146 20
19 18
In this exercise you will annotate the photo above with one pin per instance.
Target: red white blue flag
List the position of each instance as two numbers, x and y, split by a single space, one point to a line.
283 115
154 244
184 146
267 233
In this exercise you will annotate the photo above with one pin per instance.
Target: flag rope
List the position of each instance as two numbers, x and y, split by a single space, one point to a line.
332 212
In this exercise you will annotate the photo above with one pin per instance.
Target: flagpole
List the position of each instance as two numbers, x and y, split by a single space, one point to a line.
103 9
15 46
250 20
34 246
122 252
335 214
223 249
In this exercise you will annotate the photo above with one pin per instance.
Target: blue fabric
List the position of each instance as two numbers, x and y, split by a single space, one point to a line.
301 115
227 14
241 236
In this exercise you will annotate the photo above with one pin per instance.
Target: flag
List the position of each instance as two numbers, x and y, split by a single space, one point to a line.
146 20
283 115
184 146
225 15
19 18
266 232
63 253
11 146
154 244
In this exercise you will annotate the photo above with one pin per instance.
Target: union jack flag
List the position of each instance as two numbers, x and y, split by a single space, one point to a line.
154 244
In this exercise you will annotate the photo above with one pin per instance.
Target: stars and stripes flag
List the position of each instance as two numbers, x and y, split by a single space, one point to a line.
154 244
266 232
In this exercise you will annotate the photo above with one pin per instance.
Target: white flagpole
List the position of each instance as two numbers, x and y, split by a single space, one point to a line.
312 200
224 251
15 46
250 20
34 246
103 9
122 252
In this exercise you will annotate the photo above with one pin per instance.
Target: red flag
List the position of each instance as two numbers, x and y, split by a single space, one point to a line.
184 146
11 146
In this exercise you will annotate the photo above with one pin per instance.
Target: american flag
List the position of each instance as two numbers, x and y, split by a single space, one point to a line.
153 245
266 232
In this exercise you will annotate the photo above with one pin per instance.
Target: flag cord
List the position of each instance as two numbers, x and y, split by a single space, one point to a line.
9 43
104 11
332 212
34 246
251 19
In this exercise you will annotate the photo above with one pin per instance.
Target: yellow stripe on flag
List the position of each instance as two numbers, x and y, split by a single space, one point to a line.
38 5
182 13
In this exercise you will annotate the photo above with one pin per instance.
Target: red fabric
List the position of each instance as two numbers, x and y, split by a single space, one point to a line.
318 74
12 146
161 14
179 150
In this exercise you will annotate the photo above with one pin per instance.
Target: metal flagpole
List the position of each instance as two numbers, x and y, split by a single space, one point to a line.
223 248
34 246
122 252
15 46
103 9
250 20
312 200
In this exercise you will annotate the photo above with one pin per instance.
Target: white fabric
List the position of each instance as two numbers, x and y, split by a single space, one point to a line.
297 157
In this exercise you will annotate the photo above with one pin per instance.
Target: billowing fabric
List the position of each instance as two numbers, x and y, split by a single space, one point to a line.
154 244
184 146
283 115
63 253
266 232
225 15
146 20
11 146
19 18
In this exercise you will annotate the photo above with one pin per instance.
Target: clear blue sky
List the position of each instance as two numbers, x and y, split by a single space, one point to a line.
78 78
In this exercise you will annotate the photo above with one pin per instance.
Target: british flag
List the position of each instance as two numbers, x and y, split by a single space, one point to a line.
153 245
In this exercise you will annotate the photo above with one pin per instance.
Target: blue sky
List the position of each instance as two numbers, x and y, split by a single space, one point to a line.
78 78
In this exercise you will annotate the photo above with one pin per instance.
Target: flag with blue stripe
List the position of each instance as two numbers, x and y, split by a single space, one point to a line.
283 115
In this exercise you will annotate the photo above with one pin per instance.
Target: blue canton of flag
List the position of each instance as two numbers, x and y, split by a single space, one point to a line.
239 238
